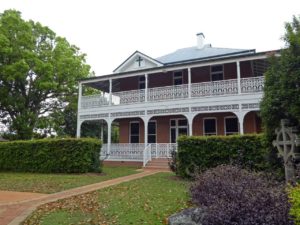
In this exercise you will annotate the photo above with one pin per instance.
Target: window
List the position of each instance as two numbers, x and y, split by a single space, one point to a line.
177 78
231 125
210 126
152 132
216 72
178 127
142 82
134 132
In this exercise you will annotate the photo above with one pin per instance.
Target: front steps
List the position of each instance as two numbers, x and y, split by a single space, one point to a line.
158 164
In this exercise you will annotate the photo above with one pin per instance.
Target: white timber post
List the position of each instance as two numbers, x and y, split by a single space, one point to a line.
110 90
146 87
190 122
78 109
238 69
78 129
146 120
109 122
101 131
189 82
241 116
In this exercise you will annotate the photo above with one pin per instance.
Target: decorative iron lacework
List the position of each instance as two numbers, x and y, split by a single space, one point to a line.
166 111
250 106
133 113
94 116
215 108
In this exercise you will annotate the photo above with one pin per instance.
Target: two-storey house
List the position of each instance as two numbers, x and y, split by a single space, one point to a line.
200 90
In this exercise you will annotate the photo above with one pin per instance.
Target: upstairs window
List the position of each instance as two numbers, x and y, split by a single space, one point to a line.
216 72
142 82
177 78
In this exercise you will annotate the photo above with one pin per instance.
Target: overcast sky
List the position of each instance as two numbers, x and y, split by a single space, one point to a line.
108 31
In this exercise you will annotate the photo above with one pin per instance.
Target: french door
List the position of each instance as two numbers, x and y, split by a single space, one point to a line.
178 127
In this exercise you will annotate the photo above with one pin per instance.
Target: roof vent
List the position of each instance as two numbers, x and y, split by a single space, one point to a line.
200 40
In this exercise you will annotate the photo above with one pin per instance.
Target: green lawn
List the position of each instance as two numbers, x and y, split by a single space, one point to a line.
148 200
51 183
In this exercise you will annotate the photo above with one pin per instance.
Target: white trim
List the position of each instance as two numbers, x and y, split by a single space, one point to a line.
216 125
218 72
131 122
178 77
231 117
132 59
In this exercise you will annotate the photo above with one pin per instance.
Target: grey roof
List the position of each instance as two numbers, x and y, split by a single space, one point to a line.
193 53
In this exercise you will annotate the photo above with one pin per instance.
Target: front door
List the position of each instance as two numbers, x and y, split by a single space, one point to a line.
178 127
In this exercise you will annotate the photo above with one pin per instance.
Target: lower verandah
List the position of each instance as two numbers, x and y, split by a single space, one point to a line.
164 130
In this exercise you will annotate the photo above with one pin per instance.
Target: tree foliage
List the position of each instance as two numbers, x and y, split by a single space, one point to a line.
38 73
282 85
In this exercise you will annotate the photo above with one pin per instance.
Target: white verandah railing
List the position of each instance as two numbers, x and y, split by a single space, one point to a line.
147 155
137 152
198 90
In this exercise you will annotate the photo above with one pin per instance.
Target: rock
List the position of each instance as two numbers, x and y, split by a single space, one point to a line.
190 216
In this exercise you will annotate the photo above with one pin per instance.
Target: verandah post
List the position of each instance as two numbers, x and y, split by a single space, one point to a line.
238 69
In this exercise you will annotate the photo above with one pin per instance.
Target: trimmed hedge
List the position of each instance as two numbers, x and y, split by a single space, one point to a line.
202 153
51 155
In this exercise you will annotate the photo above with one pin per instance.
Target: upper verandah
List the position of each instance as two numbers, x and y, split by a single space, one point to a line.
200 54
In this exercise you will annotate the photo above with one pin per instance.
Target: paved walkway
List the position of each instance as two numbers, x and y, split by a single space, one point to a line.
16 211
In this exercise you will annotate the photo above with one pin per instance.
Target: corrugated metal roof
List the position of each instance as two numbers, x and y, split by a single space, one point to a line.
193 53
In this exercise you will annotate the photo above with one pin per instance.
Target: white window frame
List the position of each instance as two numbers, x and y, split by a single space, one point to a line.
131 122
142 82
177 127
231 133
216 123
217 72
153 121
178 77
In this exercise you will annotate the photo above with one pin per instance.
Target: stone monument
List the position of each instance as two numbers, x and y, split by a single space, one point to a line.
287 143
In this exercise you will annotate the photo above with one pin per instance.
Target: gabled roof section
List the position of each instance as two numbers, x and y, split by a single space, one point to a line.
137 61
194 53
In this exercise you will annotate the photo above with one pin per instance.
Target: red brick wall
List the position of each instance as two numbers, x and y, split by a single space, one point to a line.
124 127
230 71
198 122
246 69
164 79
199 74
252 124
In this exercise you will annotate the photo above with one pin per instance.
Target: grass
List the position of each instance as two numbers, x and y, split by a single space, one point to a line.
51 183
150 200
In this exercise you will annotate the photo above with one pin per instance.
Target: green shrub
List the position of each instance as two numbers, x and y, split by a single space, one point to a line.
203 152
295 201
51 155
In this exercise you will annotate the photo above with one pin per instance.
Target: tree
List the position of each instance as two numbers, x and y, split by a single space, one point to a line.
282 85
38 73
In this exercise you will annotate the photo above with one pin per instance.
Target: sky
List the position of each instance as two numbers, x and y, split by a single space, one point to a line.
109 31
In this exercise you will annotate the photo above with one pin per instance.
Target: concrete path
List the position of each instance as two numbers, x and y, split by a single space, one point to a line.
16 211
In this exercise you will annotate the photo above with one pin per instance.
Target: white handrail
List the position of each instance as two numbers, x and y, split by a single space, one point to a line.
146 155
